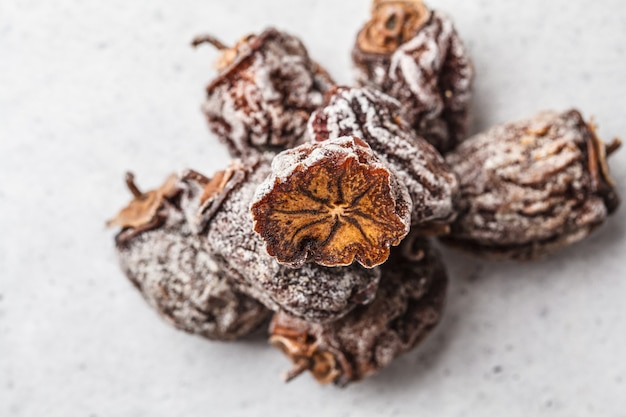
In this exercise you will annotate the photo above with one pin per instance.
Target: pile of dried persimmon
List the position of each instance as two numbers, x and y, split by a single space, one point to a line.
323 220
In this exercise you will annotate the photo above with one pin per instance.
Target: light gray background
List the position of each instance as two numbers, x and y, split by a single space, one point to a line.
89 89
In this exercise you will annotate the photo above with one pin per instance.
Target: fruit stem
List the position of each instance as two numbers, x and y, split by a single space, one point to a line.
612 147
199 40
130 183
299 367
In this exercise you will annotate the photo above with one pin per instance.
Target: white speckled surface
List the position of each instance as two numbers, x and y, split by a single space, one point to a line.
89 89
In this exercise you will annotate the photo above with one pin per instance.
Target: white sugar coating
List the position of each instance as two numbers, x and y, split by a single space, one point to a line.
419 70
418 65
431 76
265 97
312 292
179 279
373 117
423 57
526 187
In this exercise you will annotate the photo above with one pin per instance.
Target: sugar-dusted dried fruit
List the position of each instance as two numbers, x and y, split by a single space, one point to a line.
165 260
408 306
265 91
416 56
373 117
331 203
531 187
313 292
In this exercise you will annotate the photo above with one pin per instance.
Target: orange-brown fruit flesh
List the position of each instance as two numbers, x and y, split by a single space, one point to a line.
332 213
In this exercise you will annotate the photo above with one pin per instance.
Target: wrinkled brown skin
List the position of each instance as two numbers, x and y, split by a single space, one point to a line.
331 203
531 187
408 306
373 117
426 68
165 261
312 292
261 101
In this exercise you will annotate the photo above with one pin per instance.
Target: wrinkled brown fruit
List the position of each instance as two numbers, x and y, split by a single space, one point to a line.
161 255
531 187
331 212
408 306
312 292
266 88
416 56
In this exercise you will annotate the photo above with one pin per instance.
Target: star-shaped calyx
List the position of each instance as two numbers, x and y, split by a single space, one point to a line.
331 203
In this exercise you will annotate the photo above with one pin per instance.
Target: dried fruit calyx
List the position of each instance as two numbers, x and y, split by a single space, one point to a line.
393 22
331 203
143 212
228 54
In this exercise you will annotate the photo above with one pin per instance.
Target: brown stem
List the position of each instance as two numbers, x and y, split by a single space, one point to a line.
612 147
130 183
299 367
195 175
199 40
